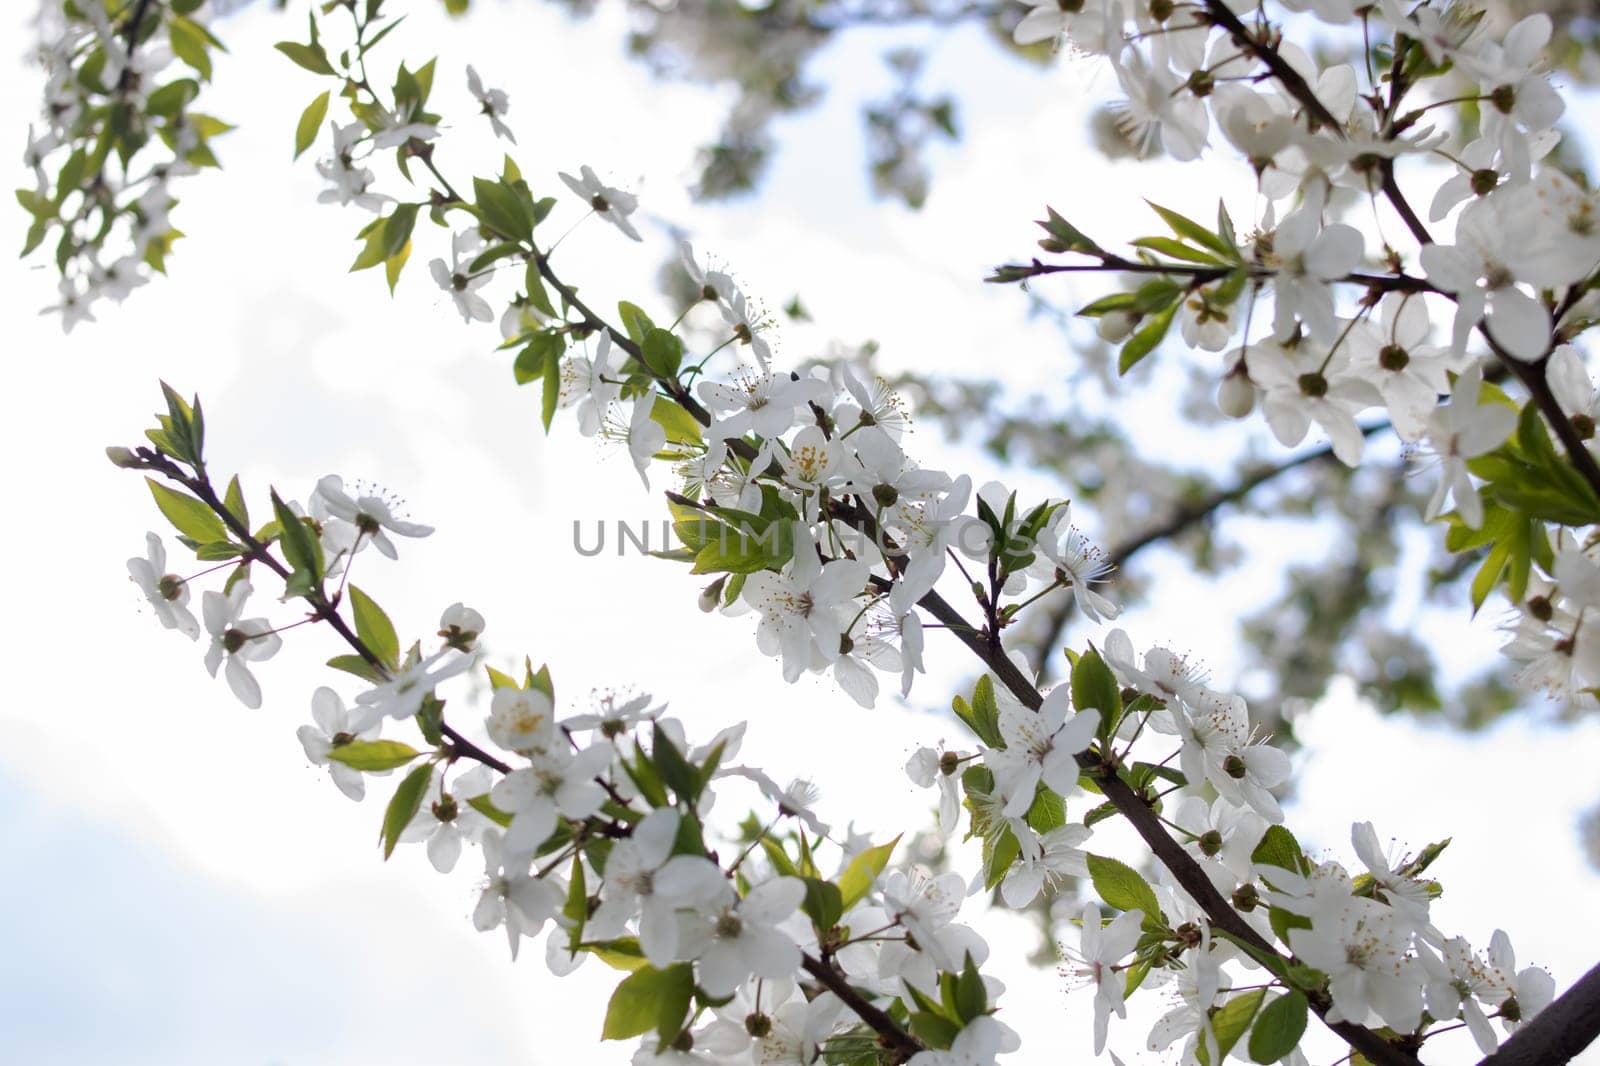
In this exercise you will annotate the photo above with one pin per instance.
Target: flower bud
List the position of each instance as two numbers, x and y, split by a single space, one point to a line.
123 457
1236 397
1246 898
711 595
1113 326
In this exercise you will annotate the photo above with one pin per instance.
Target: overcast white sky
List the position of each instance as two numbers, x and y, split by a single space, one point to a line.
180 887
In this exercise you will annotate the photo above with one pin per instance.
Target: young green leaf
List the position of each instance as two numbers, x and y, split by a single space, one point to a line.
650 999
1122 887
370 756
404 805
305 132
374 627
187 514
1278 1028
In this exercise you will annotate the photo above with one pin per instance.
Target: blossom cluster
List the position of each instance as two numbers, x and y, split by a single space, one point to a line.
795 492
117 128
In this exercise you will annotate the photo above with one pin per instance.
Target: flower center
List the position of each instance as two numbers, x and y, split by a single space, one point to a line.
1313 385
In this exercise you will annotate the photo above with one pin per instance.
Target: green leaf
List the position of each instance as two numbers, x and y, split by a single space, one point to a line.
622 953
305 132
1231 1021
1145 338
1065 237
309 56
673 769
233 500
650 999
397 229
190 43
1488 575
576 909
372 755
662 352
539 680
1278 1028
552 387
1194 231
404 806
972 999
1279 848
355 664
1177 250
502 210
535 357
986 712
374 627
932 1029
680 425
1122 887
635 321
1095 687
300 545
187 514
998 856
484 806
857 879
823 904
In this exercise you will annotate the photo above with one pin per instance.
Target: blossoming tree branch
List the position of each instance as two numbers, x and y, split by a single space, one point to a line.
777 938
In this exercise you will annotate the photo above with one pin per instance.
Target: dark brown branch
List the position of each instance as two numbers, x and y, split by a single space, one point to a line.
1559 1032
1199 275
901 1043
1181 520
1222 16
321 608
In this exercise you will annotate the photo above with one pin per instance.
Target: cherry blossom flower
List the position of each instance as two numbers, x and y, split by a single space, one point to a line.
402 695
494 103
372 515
237 640
646 436
559 783
1460 431
1480 269
1039 747
521 720
455 279
613 205
167 594
592 383
764 404
1100 948
1362 947
1044 861
926 768
644 878
798 606
332 730
511 896
1517 995
445 820
738 940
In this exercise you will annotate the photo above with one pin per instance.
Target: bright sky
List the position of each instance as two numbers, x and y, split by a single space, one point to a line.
182 888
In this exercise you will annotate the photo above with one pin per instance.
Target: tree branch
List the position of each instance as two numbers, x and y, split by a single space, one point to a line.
321 608
890 1034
